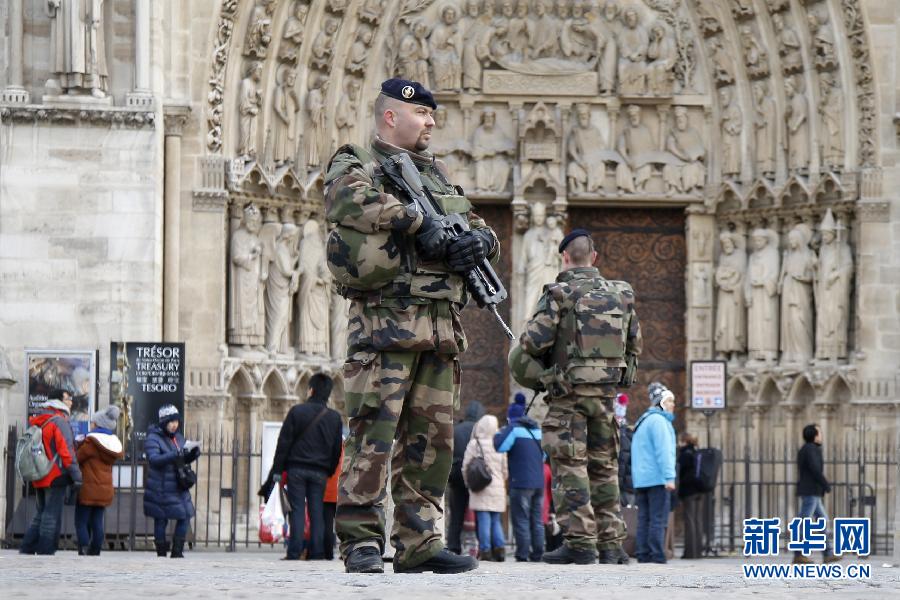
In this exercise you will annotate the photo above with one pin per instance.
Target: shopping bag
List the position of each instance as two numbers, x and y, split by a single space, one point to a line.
271 520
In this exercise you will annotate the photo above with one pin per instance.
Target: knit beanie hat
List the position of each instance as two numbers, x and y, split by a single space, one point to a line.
167 412
515 411
658 393
107 418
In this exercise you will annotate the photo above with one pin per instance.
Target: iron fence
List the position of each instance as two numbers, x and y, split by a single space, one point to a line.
761 482
227 508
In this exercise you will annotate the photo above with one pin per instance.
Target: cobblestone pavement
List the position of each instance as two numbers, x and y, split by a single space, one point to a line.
258 575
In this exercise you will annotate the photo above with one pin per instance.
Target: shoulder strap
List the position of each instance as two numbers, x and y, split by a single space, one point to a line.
311 423
528 431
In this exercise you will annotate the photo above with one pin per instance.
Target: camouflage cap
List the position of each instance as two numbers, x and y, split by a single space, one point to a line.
411 92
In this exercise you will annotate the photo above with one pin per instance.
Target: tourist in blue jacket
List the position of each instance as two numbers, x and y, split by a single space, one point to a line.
521 438
164 497
653 472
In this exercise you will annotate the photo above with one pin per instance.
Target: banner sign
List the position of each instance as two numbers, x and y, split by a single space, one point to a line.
708 383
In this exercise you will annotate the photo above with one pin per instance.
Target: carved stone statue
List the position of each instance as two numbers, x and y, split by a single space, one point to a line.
790 47
339 316
633 45
323 45
292 35
540 261
285 105
412 60
636 145
709 23
281 285
686 144
77 48
761 295
315 124
490 151
476 49
446 50
345 116
731 324
587 151
502 45
766 125
576 41
663 53
520 32
372 10
796 288
246 326
831 109
823 40
797 116
259 29
833 279
449 147
777 5
315 289
248 107
732 124
756 59
607 32
545 40
742 9
359 52
723 63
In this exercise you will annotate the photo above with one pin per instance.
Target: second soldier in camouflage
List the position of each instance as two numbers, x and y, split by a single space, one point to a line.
586 335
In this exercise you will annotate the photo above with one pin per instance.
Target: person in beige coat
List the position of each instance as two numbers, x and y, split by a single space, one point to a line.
490 503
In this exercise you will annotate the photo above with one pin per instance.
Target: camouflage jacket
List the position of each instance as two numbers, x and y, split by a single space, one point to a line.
584 326
419 310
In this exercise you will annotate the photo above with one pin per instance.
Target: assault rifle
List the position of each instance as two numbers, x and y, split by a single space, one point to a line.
482 282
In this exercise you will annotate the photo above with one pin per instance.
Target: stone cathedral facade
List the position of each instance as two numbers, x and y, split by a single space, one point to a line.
161 168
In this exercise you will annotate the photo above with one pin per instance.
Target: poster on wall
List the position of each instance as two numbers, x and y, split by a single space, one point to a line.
143 377
72 371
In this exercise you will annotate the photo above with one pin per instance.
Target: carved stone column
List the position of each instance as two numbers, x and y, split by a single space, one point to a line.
175 119
254 404
15 93
700 232
141 96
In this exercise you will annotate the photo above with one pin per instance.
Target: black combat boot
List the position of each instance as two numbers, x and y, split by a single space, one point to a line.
364 560
614 556
444 562
485 555
177 548
566 556
82 550
162 548
499 554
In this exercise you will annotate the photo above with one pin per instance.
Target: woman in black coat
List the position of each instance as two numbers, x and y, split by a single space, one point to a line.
164 497
690 495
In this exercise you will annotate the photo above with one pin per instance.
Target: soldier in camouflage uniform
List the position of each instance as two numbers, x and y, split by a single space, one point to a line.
402 374
587 333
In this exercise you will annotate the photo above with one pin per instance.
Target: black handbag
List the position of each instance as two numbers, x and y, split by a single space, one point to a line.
184 474
478 474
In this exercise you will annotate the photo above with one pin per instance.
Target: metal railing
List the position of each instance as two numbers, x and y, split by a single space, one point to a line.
761 482
227 508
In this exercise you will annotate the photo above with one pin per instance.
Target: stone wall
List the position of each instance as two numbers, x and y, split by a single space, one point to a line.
80 240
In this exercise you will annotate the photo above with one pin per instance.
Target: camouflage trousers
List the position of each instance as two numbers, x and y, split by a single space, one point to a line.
581 438
407 397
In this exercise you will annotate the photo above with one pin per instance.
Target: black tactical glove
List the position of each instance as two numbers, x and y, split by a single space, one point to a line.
468 250
431 240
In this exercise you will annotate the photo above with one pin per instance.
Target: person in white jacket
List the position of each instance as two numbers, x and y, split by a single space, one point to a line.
489 503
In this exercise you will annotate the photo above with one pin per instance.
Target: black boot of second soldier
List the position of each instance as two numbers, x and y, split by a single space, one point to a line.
564 555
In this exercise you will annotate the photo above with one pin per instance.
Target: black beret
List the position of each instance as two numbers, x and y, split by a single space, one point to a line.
411 92
575 233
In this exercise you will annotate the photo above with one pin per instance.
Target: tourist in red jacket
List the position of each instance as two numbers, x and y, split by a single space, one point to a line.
43 533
